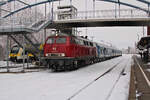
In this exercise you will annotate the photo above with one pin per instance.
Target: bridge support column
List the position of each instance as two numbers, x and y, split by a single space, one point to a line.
23 54
148 30
148 48
7 53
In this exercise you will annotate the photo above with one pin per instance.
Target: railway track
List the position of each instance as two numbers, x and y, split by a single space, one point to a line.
120 74
83 84
100 76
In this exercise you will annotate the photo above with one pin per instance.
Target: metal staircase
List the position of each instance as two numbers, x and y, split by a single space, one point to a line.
26 31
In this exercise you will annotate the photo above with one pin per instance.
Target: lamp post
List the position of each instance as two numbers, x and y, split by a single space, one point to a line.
138 37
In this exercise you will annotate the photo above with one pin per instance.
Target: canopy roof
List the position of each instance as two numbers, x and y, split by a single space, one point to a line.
144 43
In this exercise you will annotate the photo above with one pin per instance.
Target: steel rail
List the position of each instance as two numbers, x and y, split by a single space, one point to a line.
120 74
97 78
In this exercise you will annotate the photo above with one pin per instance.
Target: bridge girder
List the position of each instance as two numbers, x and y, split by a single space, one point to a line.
5 2
23 2
144 1
46 1
28 6
125 4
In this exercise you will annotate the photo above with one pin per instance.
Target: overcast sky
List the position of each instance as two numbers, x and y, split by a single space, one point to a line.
121 37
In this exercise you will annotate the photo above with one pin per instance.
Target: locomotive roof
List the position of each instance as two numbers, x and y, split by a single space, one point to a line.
63 34
83 38
59 34
144 43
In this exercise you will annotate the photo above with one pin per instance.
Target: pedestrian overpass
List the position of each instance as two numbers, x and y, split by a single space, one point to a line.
99 18
135 16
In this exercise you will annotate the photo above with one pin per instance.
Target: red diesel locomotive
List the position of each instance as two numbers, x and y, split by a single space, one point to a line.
68 52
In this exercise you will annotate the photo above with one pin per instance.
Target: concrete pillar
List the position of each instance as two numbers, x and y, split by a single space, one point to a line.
148 30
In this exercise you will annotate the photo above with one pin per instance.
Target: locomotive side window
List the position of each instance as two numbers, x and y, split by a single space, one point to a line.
77 41
86 43
91 44
50 41
61 40
81 42
72 40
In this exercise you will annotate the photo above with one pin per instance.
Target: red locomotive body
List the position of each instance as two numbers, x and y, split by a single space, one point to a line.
67 52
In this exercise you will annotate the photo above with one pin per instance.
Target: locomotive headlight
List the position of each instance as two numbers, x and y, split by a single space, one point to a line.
46 55
63 54
17 54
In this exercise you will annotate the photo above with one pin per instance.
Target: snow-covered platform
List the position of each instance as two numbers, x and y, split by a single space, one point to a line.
140 80
102 81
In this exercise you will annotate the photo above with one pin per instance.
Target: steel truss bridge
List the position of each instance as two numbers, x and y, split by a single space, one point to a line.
11 24
136 16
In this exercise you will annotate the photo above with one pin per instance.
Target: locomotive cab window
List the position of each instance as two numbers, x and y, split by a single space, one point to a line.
61 40
50 41
72 40
15 50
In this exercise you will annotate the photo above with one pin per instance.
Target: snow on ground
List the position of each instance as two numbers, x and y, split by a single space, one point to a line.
11 64
47 85
13 67
3 63
103 89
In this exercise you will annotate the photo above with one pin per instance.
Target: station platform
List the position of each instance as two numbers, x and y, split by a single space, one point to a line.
140 80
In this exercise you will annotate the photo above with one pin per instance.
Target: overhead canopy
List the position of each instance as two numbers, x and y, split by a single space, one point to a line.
144 43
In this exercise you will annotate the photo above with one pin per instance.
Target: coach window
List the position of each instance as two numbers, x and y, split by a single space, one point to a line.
104 51
77 41
81 42
61 40
50 41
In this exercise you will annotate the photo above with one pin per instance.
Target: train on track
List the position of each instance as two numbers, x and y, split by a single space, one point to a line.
16 53
63 52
